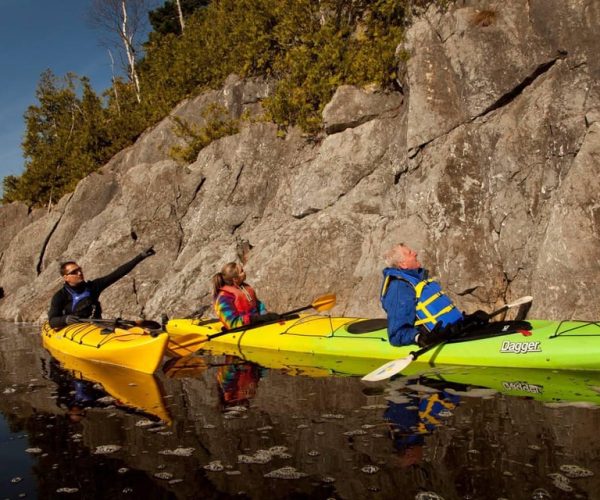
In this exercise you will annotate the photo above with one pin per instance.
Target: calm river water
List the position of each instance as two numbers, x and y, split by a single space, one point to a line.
221 427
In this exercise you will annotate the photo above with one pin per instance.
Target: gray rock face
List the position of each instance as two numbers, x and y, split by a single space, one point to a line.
487 164
351 107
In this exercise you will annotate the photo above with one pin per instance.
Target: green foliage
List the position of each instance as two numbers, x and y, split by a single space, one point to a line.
216 125
64 141
165 19
309 48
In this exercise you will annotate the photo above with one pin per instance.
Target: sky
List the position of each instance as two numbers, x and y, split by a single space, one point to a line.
36 35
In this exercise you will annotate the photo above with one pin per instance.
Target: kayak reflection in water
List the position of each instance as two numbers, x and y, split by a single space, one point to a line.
237 382
235 301
412 419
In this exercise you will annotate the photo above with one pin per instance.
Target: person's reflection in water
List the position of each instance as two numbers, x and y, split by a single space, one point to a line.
411 420
75 395
237 382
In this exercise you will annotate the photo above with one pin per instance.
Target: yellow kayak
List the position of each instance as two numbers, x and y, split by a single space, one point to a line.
133 348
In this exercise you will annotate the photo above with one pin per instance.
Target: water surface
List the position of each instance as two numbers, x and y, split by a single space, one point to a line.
224 427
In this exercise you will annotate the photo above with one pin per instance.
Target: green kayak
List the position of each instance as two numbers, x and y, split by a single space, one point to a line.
564 345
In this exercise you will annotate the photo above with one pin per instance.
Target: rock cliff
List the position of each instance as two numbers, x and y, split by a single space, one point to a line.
486 161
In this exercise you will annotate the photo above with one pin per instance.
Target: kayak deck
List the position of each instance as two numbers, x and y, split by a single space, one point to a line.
132 348
568 345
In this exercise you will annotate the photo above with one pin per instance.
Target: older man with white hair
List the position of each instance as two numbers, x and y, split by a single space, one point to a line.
418 310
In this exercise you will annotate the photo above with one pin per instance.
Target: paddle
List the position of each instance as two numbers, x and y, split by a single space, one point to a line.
397 365
182 345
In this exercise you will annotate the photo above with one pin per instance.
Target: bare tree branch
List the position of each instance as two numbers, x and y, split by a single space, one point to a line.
122 22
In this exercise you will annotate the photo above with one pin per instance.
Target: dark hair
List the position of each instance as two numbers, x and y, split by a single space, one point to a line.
228 272
63 266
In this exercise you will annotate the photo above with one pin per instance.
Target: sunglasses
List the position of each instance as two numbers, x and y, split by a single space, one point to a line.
75 271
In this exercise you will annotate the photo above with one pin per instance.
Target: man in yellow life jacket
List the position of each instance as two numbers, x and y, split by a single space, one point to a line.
418 310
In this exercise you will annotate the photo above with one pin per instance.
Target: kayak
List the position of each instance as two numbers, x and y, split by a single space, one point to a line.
547 386
130 388
133 348
565 345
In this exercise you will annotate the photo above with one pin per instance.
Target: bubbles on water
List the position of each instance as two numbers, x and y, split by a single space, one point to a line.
239 409
534 447
127 490
144 423
574 471
215 466
163 475
264 456
106 449
33 451
9 390
179 452
176 481
334 416
313 453
107 400
285 473
260 457
16 480
302 426
374 407
265 428
209 426
67 490
540 494
370 469
561 482
357 432
428 495
123 470
233 472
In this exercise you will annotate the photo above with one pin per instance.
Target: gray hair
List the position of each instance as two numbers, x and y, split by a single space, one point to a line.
391 255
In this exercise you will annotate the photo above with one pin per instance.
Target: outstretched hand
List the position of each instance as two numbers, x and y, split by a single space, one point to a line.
148 252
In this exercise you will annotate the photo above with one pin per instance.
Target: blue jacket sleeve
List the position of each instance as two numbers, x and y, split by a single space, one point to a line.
399 304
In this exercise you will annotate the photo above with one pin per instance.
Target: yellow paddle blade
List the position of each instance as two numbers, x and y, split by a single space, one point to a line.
183 345
324 302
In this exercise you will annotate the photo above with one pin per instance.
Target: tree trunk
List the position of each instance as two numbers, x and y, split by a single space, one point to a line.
180 13
127 39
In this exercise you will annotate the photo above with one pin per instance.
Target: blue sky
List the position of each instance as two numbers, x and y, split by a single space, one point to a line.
36 35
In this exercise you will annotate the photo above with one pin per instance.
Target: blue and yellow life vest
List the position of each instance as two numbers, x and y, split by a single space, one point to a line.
432 304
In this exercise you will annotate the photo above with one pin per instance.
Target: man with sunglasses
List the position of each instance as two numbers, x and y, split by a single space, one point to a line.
79 298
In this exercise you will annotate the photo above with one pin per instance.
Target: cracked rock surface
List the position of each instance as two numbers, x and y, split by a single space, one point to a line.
487 163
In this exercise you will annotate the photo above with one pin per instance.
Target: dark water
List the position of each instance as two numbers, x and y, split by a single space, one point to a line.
221 428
